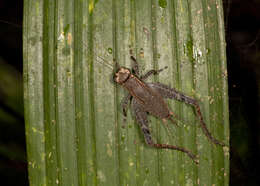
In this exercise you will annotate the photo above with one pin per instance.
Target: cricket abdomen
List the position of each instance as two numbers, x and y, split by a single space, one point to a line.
150 99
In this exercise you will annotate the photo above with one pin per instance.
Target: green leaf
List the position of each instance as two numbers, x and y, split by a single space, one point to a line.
75 129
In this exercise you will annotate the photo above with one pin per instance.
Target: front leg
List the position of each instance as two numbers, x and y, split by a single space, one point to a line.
135 66
124 103
141 118
171 93
152 72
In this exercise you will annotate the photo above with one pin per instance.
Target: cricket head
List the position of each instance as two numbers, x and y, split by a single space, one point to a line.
122 75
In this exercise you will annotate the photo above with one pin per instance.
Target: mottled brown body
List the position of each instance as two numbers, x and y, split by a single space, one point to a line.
148 98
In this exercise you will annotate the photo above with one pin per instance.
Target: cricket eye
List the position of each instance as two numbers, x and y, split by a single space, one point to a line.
116 77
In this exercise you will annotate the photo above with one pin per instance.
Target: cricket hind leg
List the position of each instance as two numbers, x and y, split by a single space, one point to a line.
171 93
141 118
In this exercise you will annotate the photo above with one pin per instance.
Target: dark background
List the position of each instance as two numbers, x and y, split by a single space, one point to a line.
242 22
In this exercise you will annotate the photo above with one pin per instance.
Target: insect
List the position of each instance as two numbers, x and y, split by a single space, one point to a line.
148 98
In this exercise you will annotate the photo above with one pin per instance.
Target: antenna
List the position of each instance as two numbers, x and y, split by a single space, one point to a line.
105 62
10 23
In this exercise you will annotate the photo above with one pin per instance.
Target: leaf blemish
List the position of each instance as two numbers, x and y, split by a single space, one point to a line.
61 36
101 176
162 3
110 137
109 150
69 38
91 7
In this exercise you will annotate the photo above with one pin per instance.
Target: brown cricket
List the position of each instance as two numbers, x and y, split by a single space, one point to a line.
148 98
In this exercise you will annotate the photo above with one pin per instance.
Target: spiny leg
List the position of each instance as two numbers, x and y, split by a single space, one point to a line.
135 66
171 119
152 72
141 118
171 93
124 103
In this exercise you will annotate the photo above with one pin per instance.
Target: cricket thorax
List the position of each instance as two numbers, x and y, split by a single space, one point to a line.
122 75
